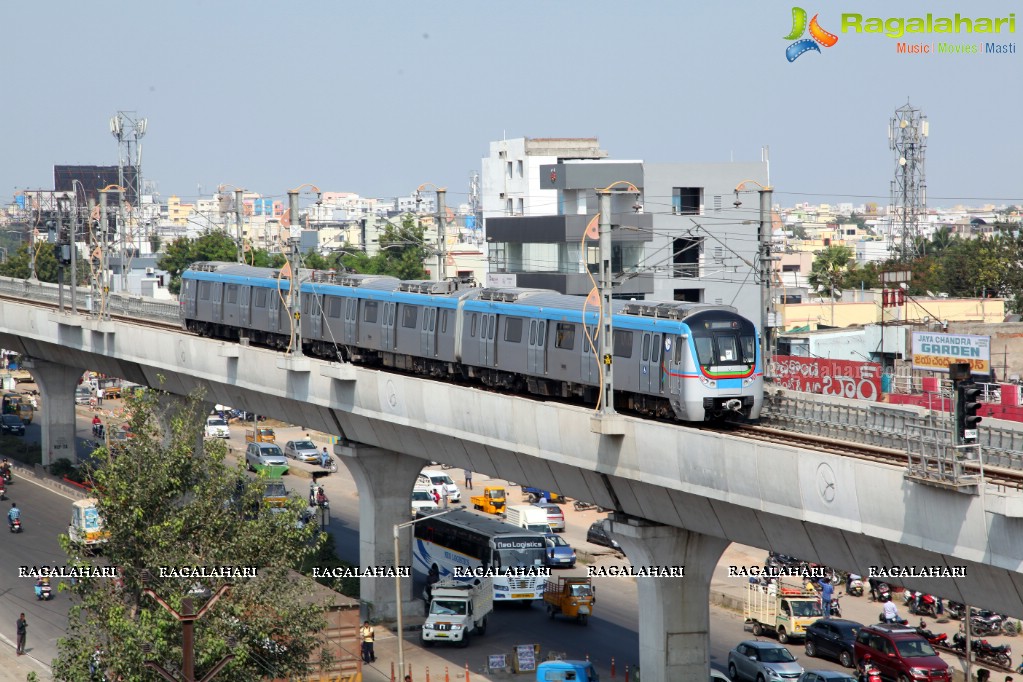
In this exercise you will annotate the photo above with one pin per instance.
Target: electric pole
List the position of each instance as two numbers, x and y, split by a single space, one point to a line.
238 221
187 618
293 261
766 272
607 404
442 251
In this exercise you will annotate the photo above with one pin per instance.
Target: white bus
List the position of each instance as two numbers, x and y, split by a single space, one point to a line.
466 540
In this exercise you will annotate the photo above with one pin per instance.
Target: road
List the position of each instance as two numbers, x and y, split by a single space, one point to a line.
612 632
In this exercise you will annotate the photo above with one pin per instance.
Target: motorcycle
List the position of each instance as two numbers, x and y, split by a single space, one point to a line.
989 653
579 505
7 476
924 605
884 592
836 607
330 466
869 674
15 526
986 624
854 585
98 431
956 610
3 490
43 592
933 638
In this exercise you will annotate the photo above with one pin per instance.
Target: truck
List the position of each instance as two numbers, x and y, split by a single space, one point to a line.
782 610
527 516
458 609
491 501
86 527
537 494
571 597
566 671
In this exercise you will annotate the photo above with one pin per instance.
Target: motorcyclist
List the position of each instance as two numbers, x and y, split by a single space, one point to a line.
321 497
13 514
325 458
5 468
866 668
891 612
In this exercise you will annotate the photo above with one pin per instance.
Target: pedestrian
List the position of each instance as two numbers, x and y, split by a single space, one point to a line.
873 589
827 590
94 661
366 635
891 612
22 628
436 497
468 479
99 397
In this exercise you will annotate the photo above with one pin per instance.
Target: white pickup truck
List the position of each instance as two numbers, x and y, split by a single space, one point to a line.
458 609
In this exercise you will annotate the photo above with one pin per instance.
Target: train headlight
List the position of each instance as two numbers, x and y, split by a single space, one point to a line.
747 381
709 383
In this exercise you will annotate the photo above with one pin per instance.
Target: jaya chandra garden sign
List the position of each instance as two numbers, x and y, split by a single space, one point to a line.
935 352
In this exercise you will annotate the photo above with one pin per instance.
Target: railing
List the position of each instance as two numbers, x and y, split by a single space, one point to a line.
116 304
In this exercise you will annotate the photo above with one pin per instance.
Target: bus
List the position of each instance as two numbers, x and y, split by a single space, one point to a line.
466 540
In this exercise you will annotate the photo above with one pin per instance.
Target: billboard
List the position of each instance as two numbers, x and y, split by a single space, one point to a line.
843 378
935 352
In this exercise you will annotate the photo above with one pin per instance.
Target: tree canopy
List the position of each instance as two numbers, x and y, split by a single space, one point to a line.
402 252
171 503
19 265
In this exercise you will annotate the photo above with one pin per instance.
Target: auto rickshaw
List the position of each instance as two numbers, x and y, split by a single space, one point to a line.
571 597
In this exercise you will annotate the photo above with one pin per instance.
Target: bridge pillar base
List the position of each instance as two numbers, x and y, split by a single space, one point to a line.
57 385
674 613
384 480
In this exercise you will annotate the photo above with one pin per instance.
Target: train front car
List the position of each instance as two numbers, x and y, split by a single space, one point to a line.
723 378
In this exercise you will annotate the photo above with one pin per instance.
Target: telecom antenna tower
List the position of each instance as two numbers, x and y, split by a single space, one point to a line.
907 137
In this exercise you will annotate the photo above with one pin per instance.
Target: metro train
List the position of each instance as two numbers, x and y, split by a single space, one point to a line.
687 361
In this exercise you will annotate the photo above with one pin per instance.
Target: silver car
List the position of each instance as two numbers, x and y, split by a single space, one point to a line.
762 662
259 455
303 450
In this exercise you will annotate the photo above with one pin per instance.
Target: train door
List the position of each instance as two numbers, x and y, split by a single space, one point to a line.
487 324
644 364
536 354
428 334
244 299
674 359
189 288
274 318
218 298
656 366
387 326
590 371
351 320
316 315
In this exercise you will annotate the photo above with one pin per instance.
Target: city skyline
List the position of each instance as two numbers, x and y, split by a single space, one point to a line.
351 98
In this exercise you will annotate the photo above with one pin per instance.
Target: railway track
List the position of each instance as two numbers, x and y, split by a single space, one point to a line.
1007 478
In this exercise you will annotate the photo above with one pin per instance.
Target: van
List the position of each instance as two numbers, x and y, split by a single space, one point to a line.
443 484
86 527
529 517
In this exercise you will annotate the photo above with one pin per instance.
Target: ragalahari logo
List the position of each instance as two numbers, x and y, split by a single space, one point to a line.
818 36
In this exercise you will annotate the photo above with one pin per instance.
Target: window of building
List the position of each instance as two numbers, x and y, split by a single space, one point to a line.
686 200
689 295
232 293
791 267
513 329
564 336
522 206
685 256
518 165
622 343
371 309
509 207
410 315
259 298
509 169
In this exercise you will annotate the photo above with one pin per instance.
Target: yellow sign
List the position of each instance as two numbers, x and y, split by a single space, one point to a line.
607 359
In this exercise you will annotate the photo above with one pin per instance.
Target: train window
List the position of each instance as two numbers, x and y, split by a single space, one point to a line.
305 305
426 319
622 343
444 322
728 350
433 319
390 314
532 332
646 347
334 305
656 355
410 315
564 336
541 334
371 308
204 291
678 350
749 348
259 298
472 326
705 350
232 293
513 329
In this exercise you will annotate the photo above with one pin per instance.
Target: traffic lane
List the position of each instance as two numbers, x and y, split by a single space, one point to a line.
45 515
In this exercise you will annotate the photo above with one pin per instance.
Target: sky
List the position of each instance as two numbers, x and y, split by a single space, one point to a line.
380 97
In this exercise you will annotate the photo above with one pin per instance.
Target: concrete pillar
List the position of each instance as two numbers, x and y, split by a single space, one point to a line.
170 406
674 613
56 416
384 480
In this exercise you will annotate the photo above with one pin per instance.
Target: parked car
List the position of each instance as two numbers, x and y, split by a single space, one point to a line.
555 517
834 638
760 661
559 553
83 395
259 455
217 428
12 424
598 536
304 450
826 676
900 653
422 502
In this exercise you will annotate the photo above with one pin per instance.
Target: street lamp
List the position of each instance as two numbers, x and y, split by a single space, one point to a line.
397 584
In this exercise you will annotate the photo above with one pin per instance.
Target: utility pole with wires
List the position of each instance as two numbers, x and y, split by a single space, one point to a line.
238 220
187 618
767 315
294 263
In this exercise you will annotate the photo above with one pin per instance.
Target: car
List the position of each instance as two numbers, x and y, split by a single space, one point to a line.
259 455
825 676
555 517
12 424
762 661
422 501
718 676
217 428
304 450
900 653
559 553
834 638
83 395
598 536
443 484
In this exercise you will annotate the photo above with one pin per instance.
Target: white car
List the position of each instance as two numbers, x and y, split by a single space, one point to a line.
217 428
422 501
442 483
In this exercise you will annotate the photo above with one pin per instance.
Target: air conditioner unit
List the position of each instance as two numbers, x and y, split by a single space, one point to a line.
150 271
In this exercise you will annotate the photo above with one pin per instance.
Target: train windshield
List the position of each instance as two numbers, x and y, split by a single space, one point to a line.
724 340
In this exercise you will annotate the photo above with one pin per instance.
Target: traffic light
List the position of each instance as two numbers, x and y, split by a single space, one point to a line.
966 412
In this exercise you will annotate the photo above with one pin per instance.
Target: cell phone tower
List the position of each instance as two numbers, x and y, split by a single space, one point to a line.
907 137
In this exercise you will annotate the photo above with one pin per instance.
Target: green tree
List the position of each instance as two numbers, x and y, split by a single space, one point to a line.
402 254
174 503
19 265
830 269
212 245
